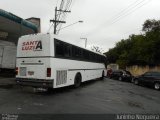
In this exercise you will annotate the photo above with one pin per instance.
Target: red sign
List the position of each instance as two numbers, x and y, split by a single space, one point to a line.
32 45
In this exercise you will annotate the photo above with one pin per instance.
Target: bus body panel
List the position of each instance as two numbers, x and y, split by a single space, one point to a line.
34 68
35 46
36 53
33 59
87 70
33 72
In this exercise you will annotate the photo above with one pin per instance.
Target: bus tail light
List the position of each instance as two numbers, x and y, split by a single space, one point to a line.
48 72
16 70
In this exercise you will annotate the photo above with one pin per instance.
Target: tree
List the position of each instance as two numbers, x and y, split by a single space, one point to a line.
138 49
151 25
96 49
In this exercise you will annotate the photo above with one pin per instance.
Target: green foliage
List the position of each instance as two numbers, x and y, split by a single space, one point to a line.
138 49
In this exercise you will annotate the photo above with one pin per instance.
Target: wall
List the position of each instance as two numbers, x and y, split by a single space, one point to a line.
36 21
138 70
113 66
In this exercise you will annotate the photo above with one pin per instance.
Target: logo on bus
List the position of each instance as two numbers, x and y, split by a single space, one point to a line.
32 45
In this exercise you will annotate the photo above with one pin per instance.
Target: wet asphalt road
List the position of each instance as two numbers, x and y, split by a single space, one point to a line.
96 97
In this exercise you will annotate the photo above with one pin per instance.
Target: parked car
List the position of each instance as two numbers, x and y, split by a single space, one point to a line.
121 75
149 79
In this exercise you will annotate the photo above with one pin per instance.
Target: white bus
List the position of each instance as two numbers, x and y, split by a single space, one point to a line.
46 62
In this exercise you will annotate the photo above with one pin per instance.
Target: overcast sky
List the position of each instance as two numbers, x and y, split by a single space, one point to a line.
105 21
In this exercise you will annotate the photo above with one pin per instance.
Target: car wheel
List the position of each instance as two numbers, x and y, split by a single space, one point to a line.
120 78
157 86
132 80
136 82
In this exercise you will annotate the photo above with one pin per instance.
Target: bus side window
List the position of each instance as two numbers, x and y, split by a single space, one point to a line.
59 48
86 55
67 50
92 56
80 54
73 52
76 52
100 59
97 56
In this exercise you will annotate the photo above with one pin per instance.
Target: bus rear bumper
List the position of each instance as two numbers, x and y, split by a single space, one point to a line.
41 83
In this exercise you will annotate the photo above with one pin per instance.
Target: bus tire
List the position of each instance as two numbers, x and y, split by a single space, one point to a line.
102 77
77 80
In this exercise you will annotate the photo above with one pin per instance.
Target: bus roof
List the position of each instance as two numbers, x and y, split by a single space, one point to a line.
59 38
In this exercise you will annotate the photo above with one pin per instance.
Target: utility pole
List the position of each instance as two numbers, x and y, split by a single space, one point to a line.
85 41
55 21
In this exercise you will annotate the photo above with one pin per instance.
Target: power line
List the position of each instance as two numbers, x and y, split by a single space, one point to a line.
60 14
128 11
57 2
61 17
66 9
137 4
64 15
50 27
133 10
124 10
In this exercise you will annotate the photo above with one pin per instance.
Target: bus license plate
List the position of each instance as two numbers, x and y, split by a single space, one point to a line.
30 73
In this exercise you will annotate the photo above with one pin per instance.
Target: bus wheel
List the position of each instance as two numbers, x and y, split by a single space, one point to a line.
77 80
102 77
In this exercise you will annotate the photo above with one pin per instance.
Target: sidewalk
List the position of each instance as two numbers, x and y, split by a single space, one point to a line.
7 82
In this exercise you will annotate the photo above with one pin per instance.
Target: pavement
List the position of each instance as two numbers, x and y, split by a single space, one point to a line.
95 97
6 82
